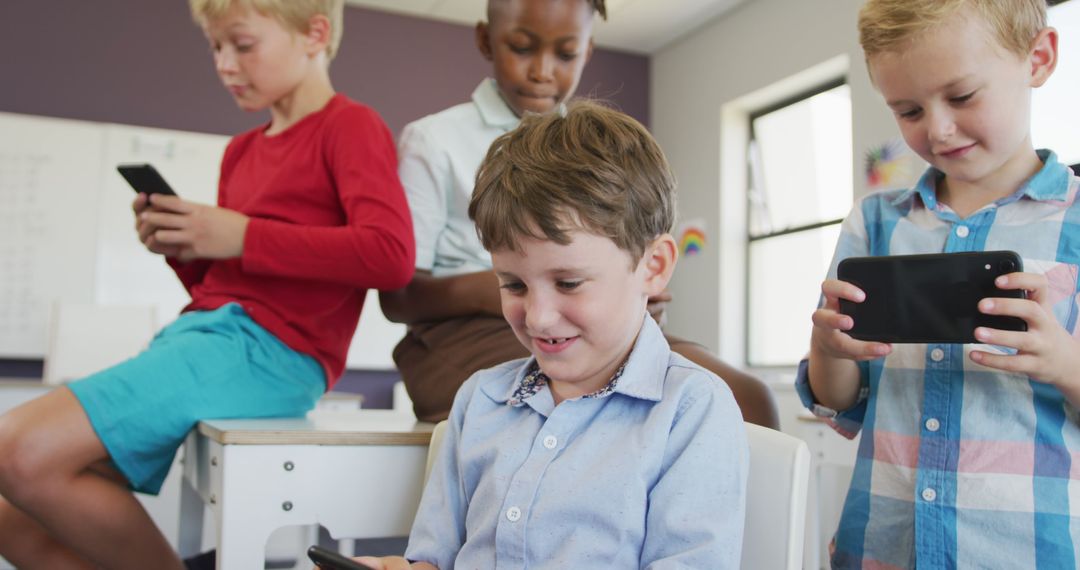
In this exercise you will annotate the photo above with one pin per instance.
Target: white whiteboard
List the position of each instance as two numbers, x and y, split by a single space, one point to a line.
67 232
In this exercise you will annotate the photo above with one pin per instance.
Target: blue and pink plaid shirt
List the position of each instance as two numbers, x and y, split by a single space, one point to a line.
963 466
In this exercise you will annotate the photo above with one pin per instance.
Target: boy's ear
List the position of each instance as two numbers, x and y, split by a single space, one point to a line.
318 34
483 40
660 258
1043 56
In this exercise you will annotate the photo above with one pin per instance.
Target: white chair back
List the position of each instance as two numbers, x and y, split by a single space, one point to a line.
775 500
433 447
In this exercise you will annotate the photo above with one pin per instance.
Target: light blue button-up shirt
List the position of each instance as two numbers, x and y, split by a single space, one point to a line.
650 475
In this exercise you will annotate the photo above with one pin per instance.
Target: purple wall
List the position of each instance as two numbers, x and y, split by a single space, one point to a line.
144 62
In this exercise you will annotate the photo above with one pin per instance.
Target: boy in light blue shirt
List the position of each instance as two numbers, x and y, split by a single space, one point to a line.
603 449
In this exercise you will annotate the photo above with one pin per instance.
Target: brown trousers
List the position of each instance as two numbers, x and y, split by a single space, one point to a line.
435 359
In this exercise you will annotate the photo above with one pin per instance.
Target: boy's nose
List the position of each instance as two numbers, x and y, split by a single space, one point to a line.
941 126
224 61
541 68
540 314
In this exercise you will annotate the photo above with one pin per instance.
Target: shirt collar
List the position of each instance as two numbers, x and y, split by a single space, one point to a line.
493 109
642 375
1049 184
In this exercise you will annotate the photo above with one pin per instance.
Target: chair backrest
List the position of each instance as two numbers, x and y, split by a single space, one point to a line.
775 500
433 447
85 338
775 497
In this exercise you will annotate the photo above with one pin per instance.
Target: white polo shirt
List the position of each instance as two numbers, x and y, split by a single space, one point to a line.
438 159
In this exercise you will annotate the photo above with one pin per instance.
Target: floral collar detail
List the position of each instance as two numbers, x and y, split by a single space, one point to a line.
535 379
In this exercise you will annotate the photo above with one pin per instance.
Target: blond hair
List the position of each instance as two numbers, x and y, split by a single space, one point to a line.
592 169
294 14
888 25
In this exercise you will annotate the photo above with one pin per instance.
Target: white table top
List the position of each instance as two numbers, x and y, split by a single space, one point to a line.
352 427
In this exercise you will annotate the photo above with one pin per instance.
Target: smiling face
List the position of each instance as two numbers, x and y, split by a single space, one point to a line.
258 59
577 307
538 48
963 103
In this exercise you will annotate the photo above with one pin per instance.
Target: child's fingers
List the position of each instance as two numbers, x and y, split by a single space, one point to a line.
834 289
1022 363
861 349
1021 280
830 319
1021 341
172 237
1027 309
171 203
160 219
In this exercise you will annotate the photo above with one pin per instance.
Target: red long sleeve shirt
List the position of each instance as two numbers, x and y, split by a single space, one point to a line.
329 221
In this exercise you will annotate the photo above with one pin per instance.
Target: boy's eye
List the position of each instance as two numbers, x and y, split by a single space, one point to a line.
568 285
963 98
513 287
568 56
245 47
909 114
520 48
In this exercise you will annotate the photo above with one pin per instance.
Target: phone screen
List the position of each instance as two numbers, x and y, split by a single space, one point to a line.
927 298
145 178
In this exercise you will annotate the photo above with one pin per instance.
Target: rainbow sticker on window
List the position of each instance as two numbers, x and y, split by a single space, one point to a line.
692 238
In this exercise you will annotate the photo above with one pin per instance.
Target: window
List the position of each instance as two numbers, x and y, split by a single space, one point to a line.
1055 114
800 188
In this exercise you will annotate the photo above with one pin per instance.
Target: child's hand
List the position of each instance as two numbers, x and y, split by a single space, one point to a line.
828 337
145 229
187 230
388 563
657 306
1046 351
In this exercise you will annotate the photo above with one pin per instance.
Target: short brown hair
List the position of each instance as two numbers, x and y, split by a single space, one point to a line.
591 168
294 14
887 25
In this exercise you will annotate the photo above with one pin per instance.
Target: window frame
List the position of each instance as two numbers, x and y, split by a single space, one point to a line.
798 97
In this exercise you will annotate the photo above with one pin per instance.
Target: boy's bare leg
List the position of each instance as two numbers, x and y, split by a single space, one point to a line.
51 470
27 545
751 394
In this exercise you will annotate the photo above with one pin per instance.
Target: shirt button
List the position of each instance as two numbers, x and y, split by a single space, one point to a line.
932 424
513 514
962 231
937 354
551 441
929 495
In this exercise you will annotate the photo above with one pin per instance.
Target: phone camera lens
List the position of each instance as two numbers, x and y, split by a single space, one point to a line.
1007 266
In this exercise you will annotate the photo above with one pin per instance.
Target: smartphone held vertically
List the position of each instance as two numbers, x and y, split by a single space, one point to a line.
927 298
329 560
145 178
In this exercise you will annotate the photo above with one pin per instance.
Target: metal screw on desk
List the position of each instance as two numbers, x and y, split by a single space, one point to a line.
286 506
213 461
289 465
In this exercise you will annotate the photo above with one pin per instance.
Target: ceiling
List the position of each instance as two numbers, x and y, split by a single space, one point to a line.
638 26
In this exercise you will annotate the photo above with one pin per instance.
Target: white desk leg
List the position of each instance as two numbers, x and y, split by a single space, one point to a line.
191 520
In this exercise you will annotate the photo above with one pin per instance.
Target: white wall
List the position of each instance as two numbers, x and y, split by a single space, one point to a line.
734 61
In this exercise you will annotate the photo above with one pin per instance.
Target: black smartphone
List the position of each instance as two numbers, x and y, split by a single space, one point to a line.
927 298
145 178
330 560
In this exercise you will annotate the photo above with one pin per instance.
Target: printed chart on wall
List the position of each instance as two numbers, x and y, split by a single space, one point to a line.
67 232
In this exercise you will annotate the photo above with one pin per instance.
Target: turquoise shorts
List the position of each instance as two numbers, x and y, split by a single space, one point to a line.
206 364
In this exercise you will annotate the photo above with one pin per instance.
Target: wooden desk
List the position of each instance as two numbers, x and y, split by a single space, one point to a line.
358 473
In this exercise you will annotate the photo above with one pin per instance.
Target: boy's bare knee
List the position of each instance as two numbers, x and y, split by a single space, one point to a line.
22 468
